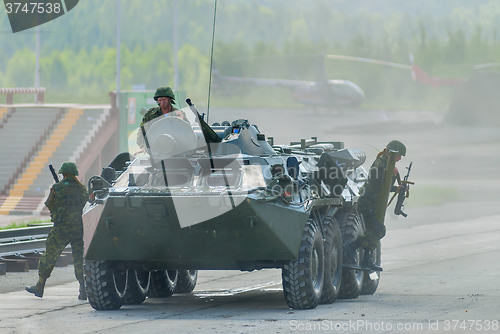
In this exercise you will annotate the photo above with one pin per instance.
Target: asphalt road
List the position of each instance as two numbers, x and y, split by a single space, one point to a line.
437 276
441 272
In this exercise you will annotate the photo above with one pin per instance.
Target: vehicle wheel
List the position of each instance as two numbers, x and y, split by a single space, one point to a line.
162 283
370 285
106 286
137 287
303 278
333 261
352 280
186 281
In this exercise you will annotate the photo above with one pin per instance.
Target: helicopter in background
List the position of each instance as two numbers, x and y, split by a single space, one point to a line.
322 92
331 93
338 94
475 101
417 73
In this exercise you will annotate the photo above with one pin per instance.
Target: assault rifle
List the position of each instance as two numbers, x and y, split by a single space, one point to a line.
403 192
54 174
208 132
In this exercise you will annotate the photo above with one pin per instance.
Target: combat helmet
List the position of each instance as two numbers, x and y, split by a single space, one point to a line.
164 92
68 168
397 146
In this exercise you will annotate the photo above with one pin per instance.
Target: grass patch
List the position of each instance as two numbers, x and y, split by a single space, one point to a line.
432 195
24 224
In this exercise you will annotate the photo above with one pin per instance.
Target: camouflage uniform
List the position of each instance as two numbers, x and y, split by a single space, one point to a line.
153 114
367 203
65 202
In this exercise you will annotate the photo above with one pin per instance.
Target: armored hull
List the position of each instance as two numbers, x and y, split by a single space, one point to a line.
221 197
254 230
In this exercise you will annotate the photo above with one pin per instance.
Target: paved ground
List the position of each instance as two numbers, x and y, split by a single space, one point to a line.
437 276
441 263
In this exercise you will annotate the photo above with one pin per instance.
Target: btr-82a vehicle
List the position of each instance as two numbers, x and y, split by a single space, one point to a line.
224 197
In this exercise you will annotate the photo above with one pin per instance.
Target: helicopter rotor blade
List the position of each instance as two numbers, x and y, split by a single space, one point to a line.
368 60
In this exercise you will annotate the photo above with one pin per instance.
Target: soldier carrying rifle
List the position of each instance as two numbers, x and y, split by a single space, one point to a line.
373 202
65 202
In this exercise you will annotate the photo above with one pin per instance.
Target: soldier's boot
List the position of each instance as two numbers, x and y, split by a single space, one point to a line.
83 293
37 289
350 251
368 262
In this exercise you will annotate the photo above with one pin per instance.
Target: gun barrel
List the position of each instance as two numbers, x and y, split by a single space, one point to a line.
208 132
54 174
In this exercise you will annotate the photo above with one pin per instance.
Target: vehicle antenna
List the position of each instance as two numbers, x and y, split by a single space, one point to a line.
211 62
373 147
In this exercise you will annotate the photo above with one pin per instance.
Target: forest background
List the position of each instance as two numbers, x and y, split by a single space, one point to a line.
78 51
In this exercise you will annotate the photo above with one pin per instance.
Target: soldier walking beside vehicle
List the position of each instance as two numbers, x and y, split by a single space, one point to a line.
165 98
65 202
367 205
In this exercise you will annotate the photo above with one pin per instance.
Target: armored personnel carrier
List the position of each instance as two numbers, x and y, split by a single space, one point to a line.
223 197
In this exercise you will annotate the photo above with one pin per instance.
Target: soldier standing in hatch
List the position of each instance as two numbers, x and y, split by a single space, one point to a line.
65 202
367 204
165 97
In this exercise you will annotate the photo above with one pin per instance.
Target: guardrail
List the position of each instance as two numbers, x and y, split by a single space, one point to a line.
21 241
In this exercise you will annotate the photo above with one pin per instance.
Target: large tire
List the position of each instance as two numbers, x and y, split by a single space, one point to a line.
186 281
303 278
370 285
162 283
352 280
137 287
106 286
333 261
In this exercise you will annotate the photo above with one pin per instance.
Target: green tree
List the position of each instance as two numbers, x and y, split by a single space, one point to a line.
21 69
